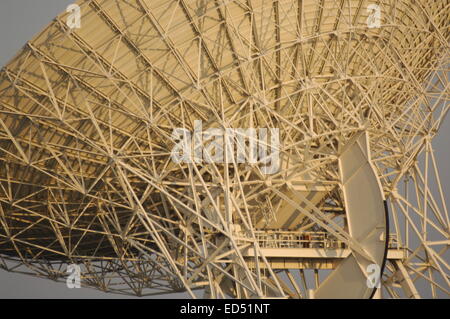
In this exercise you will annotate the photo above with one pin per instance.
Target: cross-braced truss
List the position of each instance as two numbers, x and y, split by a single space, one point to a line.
86 122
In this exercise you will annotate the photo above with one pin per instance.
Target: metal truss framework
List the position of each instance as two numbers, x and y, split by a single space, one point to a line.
86 121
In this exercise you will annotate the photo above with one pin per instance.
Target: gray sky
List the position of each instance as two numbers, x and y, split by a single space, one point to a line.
20 20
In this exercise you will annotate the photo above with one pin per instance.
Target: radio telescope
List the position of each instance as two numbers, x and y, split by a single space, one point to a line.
357 90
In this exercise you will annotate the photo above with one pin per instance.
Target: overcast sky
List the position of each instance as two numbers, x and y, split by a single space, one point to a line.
20 20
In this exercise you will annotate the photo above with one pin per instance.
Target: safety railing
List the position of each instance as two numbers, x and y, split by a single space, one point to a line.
292 239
